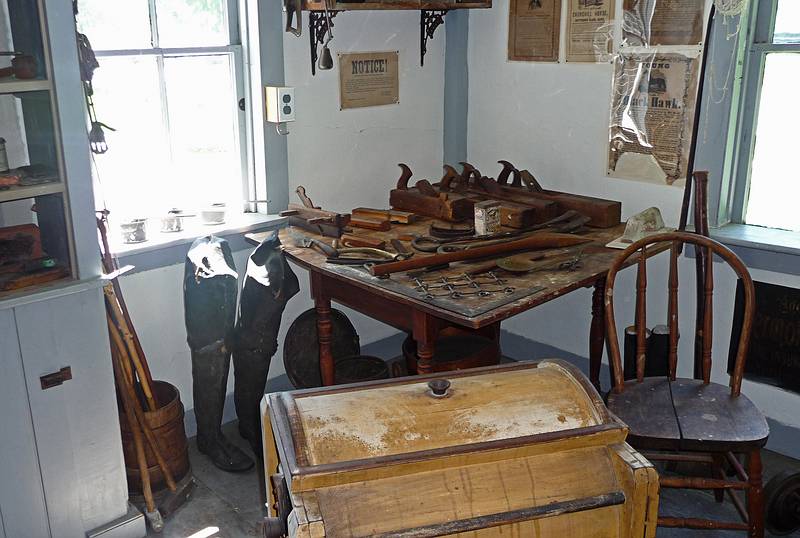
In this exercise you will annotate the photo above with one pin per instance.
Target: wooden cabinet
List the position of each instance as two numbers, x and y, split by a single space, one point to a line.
46 206
61 466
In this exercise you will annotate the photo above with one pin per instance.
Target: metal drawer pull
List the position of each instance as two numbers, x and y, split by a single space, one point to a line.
56 378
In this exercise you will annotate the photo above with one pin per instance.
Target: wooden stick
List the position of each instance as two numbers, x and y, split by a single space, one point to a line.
119 321
538 241
128 392
641 314
127 404
672 310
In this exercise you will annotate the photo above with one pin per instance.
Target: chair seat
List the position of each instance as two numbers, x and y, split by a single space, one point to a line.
685 414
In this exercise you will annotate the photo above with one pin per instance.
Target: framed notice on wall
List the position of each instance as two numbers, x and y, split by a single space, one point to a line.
534 28
368 79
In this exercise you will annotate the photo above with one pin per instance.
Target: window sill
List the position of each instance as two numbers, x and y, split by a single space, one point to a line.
762 248
163 249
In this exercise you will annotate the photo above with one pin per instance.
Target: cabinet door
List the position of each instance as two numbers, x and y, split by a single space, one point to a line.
76 423
22 508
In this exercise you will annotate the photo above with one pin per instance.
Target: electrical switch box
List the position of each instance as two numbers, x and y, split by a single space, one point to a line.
279 102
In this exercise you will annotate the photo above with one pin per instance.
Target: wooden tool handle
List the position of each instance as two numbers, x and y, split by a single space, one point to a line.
538 241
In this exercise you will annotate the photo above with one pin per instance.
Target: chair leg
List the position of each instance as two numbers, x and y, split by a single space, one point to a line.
718 472
755 495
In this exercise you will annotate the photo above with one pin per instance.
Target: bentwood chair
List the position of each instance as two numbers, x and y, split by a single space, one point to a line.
691 420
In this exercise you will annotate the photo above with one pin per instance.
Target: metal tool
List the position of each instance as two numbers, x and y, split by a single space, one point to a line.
293 8
309 242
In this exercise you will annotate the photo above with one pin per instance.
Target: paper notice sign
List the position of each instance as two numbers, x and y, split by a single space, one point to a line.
368 79
533 30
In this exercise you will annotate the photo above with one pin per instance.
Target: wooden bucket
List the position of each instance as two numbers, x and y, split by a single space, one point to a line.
167 425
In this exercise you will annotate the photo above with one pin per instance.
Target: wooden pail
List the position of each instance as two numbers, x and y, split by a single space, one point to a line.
167 425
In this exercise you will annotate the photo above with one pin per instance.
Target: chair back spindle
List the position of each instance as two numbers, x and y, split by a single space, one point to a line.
709 248
640 322
672 309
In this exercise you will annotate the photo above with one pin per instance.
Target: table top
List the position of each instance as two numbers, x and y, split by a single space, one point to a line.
510 293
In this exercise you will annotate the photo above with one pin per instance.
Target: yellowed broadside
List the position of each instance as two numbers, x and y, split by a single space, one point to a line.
534 30
663 22
652 114
589 30
368 79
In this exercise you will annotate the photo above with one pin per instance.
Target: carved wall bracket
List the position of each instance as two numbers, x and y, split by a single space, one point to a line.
429 21
317 29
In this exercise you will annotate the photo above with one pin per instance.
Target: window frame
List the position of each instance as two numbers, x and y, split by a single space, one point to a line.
240 79
755 43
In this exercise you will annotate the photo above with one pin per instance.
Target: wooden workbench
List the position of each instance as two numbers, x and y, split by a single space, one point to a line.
397 301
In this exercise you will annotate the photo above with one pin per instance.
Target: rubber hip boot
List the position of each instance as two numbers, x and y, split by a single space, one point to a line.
268 286
209 296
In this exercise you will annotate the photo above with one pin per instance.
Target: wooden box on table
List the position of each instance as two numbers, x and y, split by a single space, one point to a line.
526 449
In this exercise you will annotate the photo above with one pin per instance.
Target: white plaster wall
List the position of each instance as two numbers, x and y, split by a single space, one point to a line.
553 119
348 158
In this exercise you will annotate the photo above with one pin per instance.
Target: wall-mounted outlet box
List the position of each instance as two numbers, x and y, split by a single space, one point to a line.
279 103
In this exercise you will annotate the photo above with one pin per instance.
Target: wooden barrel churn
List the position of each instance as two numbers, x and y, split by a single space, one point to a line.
167 425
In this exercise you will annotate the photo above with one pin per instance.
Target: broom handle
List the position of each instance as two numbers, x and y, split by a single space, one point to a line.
130 396
137 440
119 322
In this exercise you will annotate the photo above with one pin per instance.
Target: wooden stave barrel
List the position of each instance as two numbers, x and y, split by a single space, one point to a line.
168 428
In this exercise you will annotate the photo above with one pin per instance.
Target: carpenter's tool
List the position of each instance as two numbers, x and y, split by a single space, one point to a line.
314 219
348 240
532 242
449 232
432 244
569 226
293 8
400 248
370 224
392 215
309 242
559 262
363 256
427 201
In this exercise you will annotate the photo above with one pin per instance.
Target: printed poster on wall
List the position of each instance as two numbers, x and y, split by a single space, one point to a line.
368 79
534 28
647 23
652 114
589 30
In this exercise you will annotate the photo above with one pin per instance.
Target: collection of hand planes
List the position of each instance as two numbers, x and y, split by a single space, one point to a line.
534 219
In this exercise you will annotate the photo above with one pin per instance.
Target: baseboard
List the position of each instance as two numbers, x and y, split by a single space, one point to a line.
131 525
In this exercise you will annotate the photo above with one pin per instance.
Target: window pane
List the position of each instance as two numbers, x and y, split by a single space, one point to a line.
774 185
787 22
188 23
203 119
135 172
115 24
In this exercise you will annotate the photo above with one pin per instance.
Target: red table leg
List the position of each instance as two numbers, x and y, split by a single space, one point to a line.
597 333
322 304
424 334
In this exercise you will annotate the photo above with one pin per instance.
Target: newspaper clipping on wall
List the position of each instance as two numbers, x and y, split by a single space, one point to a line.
589 30
534 28
368 79
648 23
652 116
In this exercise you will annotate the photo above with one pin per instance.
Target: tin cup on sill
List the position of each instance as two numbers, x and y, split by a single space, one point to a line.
133 231
213 214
